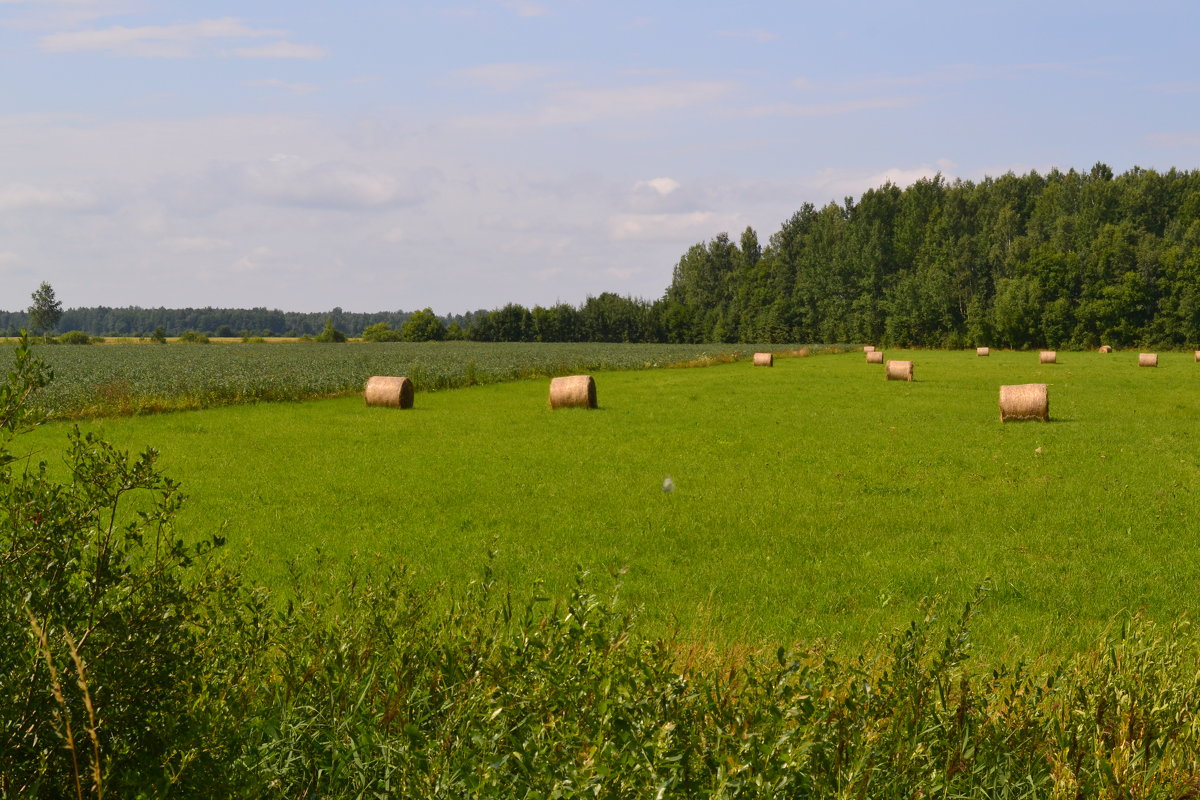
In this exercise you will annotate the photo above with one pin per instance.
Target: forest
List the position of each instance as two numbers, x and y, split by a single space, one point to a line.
1062 260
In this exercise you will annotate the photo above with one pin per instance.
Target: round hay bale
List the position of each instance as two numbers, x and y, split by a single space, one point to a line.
1104 348
764 360
868 348
982 351
1025 401
573 391
1147 359
875 357
387 391
1198 355
899 370
1048 357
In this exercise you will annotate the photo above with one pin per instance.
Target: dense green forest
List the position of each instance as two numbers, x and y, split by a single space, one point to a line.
1066 259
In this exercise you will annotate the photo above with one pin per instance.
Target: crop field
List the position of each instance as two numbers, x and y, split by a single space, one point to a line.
810 500
135 378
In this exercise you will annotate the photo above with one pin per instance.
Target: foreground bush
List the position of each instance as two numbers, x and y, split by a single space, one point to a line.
135 666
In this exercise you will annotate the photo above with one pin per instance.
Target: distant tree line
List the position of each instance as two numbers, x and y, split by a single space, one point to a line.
135 321
1066 259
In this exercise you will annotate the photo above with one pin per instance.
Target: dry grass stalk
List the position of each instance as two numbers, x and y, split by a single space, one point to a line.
1147 359
390 392
574 391
899 370
1025 401
62 713
868 348
1048 357
875 357
1104 348
982 351
764 360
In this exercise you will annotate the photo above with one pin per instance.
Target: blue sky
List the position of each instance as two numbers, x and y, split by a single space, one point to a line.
461 155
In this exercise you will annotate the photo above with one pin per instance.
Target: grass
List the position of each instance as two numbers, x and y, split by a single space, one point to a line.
812 499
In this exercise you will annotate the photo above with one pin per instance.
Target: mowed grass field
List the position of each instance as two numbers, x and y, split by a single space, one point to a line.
812 499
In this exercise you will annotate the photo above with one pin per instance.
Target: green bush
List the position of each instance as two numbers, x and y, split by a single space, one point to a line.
193 337
74 337
330 333
381 332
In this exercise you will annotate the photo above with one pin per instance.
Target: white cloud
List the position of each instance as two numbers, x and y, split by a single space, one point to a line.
504 77
664 227
276 83
664 186
840 183
154 41
292 181
23 197
308 52
253 261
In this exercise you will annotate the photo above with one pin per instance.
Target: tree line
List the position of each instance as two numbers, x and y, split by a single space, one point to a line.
1066 260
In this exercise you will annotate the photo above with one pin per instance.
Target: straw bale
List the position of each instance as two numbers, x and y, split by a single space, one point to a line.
982 351
391 392
764 360
577 391
1024 401
1198 355
875 357
1048 357
1147 359
899 370
868 348
1104 348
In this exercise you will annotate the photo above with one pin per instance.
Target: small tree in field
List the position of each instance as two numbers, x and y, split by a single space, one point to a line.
46 310
330 334
423 326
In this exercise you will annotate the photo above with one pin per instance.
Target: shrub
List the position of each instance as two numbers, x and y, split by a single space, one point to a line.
381 332
330 333
75 337
193 337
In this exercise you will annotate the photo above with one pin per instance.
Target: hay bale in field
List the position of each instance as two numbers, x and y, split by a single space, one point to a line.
875 357
899 370
1198 355
573 391
1147 359
1048 357
982 351
1105 349
868 348
1024 401
764 360
391 392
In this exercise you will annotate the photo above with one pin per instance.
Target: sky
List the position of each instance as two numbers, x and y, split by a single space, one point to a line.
383 156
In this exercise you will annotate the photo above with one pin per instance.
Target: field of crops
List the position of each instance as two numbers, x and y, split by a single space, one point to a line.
136 378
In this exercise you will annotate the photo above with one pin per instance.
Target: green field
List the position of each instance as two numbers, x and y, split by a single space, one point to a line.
136 378
812 499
